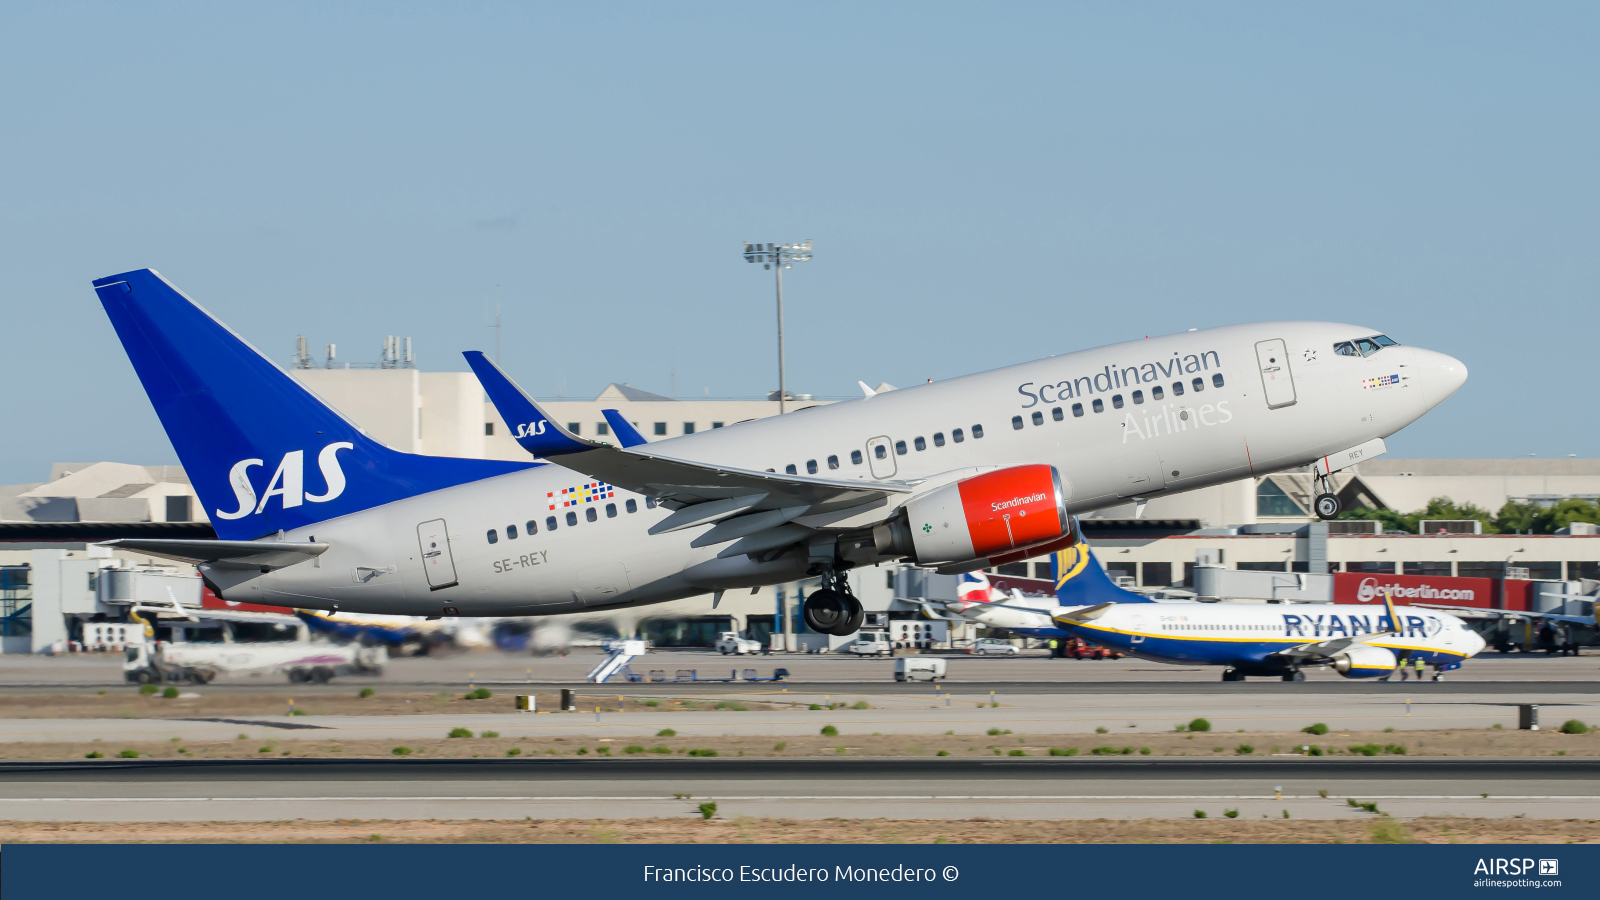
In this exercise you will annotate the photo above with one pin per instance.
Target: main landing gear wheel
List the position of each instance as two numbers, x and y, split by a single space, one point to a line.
826 611
1295 676
1327 506
1232 675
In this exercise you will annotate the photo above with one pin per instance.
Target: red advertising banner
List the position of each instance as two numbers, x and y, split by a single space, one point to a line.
209 600
1367 589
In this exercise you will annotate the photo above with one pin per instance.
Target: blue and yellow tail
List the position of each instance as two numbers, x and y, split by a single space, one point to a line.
1082 581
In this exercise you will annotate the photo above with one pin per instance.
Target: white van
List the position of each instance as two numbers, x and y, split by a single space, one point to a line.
871 643
919 668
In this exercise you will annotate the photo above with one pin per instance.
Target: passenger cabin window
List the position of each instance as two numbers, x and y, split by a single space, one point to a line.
550 523
1177 389
1016 423
1216 380
493 537
1038 418
833 462
1099 405
532 526
1199 385
880 451
977 432
920 444
1138 397
1057 414
900 447
1156 393
1116 400
631 506
611 510
1077 410
811 467
958 436
572 518
855 457
590 514
790 469
649 503
938 439
511 532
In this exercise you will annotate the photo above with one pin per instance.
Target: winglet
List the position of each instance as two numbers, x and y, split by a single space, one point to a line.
1394 617
869 392
627 435
530 426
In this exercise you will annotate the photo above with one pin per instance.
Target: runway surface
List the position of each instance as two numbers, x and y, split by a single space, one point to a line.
265 790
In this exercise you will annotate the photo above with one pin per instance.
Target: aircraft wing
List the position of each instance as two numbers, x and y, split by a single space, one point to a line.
243 554
755 503
1474 612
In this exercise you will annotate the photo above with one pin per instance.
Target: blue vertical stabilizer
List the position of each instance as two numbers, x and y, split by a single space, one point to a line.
1082 581
264 454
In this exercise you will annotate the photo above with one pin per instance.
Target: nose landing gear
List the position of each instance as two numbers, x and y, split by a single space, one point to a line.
1326 503
833 609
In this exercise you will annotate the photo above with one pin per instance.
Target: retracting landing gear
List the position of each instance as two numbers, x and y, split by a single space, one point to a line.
833 609
1326 503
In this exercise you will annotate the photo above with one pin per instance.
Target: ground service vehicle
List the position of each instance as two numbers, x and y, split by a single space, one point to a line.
872 643
919 668
958 475
162 661
730 642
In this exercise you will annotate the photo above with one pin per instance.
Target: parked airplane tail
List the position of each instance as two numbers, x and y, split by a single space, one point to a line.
1081 581
263 453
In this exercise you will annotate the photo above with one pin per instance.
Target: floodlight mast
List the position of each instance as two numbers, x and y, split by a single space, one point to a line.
778 257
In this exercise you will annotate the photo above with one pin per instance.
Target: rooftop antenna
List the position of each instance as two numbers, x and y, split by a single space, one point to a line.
495 325
302 356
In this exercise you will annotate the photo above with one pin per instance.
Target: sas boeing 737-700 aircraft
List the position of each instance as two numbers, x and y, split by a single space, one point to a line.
957 475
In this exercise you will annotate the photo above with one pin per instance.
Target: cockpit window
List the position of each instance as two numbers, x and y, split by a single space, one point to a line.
1364 346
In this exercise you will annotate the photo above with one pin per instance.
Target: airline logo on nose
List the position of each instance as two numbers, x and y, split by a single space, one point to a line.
287 483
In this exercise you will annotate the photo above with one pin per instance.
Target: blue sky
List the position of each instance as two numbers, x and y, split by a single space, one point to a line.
985 184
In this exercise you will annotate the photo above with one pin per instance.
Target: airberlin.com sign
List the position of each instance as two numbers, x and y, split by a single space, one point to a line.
1356 587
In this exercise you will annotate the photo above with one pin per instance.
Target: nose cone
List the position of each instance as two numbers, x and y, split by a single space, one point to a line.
1440 375
1475 643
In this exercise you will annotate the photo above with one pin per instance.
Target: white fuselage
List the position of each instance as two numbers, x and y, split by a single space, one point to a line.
1158 442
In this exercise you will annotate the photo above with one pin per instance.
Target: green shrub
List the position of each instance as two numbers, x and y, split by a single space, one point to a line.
94 754
267 749
1105 751
1315 728
583 751
479 694
707 810
1369 807
459 733
129 754
366 692
147 689
401 751
514 751
603 750
632 748
729 704
170 693
1059 751
1573 726
1199 814
1231 813
942 753
1314 751
815 706
1244 750
660 749
1144 751
1019 753
1199 725
1366 749
652 703
490 734
1101 729
1396 749
829 731
861 704
1180 727
666 732
706 752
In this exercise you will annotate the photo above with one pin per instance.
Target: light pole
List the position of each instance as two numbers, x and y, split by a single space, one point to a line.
778 257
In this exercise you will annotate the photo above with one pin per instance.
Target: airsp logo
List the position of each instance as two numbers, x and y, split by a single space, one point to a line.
531 429
288 482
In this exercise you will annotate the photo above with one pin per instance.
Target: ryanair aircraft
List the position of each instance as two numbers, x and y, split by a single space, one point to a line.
958 475
1246 638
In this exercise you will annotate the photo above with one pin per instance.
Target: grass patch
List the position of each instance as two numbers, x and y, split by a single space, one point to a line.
996 732
729 704
942 753
94 754
366 692
659 749
479 694
1231 813
1199 814
1101 729
402 751
490 734
780 746
861 704
170 693
514 751
1018 753
1389 831
1244 750
708 810
632 749
147 689
1573 726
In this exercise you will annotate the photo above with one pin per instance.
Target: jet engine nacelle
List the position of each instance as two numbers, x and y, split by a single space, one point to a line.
994 514
1364 661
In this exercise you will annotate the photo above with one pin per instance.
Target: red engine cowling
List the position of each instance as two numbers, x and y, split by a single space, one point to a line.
989 515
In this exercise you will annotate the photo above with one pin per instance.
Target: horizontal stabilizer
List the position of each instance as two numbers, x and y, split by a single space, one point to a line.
243 554
627 435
